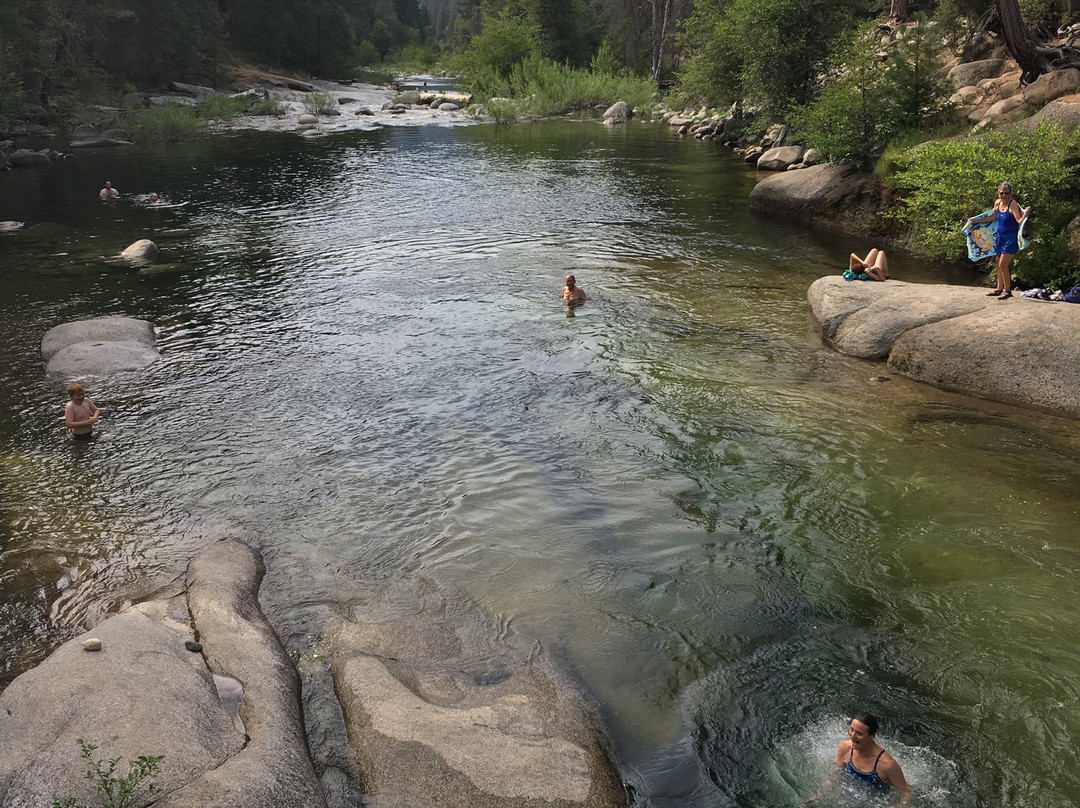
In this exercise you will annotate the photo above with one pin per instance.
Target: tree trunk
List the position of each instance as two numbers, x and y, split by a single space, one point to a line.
898 11
661 15
1021 44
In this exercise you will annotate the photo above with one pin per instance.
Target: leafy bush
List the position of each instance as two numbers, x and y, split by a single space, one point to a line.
373 76
876 99
415 57
500 110
942 183
606 62
367 54
320 103
539 87
113 791
492 56
168 122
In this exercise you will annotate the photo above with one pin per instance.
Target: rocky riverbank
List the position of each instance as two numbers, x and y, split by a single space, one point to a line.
436 713
1019 351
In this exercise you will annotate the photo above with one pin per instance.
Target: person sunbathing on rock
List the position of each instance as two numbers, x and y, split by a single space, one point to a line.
875 267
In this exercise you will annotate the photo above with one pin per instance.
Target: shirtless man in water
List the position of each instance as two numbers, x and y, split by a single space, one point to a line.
108 192
572 292
81 413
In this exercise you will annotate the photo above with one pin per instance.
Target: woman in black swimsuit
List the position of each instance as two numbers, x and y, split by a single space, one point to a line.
860 759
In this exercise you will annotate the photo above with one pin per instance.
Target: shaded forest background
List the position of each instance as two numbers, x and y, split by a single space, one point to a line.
770 51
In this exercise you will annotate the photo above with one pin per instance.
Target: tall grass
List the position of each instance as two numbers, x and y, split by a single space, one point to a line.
541 87
320 103
225 108
176 121
168 122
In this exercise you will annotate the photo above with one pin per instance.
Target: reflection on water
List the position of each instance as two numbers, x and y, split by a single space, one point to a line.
728 531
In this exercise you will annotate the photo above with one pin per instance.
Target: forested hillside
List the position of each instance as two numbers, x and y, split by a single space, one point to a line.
52 51
776 55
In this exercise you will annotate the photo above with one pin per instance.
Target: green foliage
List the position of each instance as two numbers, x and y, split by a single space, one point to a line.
373 75
320 103
166 122
500 110
942 183
367 54
539 87
767 52
112 790
875 99
225 108
490 59
416 58
605 62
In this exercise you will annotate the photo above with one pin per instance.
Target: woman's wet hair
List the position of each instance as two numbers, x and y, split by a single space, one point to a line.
869 719
1005 187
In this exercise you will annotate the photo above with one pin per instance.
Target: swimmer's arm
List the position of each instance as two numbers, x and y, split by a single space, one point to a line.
824 786
832 775
895 778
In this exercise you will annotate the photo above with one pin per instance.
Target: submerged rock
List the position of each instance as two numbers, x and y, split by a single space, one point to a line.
99 346
443 705
446 708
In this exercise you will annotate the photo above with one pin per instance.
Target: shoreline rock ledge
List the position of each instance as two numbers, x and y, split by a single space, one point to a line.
425 728
1022 351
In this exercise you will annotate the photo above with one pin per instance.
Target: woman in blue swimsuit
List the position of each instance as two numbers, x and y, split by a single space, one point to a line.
1009 214
860 760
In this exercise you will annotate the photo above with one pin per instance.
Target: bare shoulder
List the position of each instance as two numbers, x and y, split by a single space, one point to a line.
890 768
843 751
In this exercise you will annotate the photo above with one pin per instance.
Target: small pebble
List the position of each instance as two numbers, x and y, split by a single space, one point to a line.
93 644
879 378
191 645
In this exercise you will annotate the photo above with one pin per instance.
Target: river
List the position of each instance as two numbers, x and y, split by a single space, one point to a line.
730 533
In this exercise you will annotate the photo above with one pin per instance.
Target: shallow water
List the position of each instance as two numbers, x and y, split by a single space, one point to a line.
724 528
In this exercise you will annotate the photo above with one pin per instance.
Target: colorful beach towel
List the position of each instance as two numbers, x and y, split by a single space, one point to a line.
982 236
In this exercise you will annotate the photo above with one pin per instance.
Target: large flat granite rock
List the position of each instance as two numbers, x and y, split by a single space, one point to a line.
444 705
1019 351
99 346
145 693
447 708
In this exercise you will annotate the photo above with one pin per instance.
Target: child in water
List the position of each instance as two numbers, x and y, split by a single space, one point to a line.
80 414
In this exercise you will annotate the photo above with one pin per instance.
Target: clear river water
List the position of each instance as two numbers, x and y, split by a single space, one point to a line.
728 532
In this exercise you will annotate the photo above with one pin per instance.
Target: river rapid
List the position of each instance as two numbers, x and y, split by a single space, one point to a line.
730 533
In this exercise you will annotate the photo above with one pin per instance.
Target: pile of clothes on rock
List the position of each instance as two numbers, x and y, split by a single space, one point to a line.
1070 296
